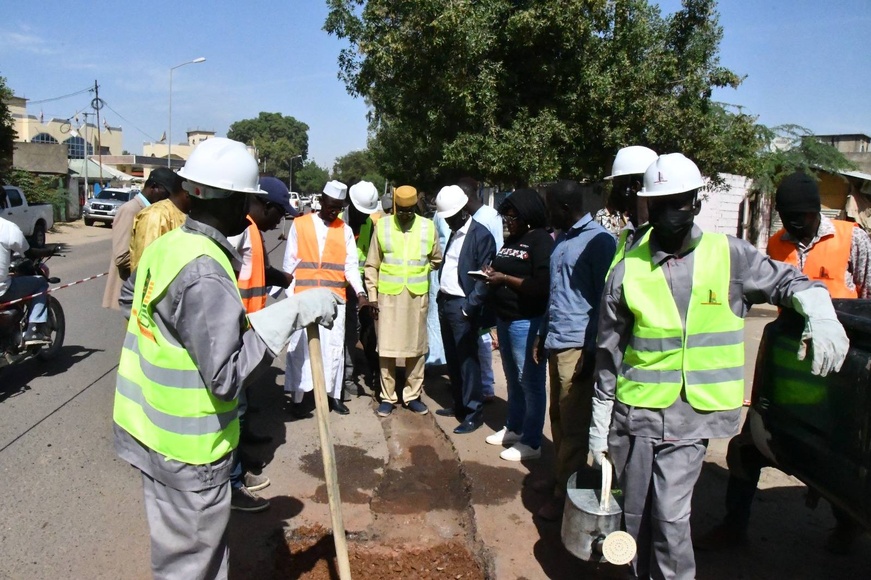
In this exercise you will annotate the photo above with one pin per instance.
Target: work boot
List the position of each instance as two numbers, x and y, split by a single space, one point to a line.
720 537
256 482
35 335
243 500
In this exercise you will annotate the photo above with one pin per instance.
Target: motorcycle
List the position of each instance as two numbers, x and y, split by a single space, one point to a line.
14 318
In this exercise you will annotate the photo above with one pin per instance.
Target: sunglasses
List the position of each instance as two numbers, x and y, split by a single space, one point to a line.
509 218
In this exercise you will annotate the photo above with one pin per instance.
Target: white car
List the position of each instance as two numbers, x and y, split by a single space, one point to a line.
294 200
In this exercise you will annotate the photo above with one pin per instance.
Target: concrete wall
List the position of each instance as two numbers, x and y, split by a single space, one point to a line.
721 211
43 158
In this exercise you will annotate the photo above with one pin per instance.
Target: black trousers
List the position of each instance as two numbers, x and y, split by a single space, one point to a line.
460 337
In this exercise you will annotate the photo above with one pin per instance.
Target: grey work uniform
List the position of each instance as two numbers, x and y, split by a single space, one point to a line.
188 506
658 453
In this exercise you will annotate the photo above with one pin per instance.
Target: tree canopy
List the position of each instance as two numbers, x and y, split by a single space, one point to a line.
277 138
358 166
310 178
524 91
7 132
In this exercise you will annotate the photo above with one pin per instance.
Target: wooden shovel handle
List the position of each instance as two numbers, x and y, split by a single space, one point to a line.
327 452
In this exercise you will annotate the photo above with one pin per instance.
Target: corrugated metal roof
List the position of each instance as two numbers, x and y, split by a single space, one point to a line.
77 167
857 175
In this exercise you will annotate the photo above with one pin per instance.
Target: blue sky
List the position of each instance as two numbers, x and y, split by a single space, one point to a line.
806 63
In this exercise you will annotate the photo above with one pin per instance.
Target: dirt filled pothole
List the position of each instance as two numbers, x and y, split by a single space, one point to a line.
422 522
311 555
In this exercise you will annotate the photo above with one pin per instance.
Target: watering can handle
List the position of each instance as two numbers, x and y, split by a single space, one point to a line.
605 498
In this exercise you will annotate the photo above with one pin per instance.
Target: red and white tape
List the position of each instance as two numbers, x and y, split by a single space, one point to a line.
61 287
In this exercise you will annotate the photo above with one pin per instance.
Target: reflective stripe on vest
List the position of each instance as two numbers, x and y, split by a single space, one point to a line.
827 260
314 270
405 256
160 396
253 288
706 357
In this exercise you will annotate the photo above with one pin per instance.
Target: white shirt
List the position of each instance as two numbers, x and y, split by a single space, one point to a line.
11 240
352 265
490 219
450 281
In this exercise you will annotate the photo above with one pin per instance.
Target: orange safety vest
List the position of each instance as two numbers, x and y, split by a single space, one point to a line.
826 261
313 269
253 288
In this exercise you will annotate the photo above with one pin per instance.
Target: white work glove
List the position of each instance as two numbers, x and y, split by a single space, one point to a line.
599 428
822 330
274 324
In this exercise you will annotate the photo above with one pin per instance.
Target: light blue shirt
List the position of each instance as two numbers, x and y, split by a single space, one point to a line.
490 219
578 266
143 199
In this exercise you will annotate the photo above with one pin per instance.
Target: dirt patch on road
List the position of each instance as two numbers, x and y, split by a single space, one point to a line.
423 525
311 555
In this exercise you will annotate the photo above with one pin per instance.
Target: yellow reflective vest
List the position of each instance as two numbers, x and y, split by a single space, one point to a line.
160 396
705 355
621 247
405 261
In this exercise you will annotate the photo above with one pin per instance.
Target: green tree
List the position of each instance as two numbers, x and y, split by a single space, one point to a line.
311 178
357 166
7 132
277 138
520 91
793 148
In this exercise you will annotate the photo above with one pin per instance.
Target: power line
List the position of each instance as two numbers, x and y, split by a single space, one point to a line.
41 101
108 106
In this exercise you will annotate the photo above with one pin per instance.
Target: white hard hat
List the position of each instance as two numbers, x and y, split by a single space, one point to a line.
671 174
631 161
223 166
450 200
364 196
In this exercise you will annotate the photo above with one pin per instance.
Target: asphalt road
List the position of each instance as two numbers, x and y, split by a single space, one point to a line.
66 507
71 509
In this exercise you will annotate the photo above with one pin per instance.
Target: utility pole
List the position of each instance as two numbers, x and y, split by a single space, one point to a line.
97 104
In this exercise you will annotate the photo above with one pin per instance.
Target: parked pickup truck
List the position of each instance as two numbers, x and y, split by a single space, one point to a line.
33 219
818 429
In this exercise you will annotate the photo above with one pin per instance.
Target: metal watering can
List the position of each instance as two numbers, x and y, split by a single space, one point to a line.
591 524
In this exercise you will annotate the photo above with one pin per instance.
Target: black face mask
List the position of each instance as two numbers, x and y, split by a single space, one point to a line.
799 228
671 225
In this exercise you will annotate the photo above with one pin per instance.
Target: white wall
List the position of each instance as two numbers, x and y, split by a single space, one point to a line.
721 211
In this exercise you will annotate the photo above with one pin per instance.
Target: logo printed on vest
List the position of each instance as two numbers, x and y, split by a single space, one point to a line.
712 299
824 274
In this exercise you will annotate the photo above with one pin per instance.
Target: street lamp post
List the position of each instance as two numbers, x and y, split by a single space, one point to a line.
290 179
169 134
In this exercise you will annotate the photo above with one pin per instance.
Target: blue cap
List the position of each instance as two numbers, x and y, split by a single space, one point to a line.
276 192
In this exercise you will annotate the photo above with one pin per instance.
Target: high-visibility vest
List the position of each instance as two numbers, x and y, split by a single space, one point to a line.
827 260
315 270
160 396
405 260
705 356
364 240
253 288
621 246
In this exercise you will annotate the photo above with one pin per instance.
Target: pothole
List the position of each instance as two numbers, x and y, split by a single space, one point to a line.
423 524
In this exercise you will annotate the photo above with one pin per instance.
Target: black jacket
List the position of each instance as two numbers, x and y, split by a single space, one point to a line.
479 249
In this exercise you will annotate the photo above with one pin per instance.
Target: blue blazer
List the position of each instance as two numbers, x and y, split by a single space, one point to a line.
479 249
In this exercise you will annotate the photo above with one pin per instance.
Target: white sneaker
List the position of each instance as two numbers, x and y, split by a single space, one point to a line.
520 452
503 437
